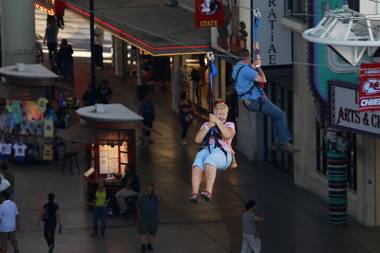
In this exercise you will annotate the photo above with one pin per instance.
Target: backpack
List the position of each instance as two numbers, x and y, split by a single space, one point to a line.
246 90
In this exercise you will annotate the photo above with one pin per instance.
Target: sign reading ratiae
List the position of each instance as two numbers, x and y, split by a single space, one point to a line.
344 111
369 94
208 13
275 39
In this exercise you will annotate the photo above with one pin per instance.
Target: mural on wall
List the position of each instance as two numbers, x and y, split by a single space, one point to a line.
323 72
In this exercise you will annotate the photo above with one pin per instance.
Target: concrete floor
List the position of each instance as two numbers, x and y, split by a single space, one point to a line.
295 220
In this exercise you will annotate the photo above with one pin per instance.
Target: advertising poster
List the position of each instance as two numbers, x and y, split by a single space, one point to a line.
369 92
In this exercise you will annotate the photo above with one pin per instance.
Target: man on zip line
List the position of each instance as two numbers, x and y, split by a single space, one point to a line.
247 76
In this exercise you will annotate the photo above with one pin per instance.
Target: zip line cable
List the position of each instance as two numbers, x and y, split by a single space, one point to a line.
179 43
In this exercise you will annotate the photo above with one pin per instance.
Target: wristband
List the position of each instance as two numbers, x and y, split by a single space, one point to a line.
258 66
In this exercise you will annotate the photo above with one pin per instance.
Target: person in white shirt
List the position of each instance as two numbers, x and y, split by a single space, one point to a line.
9 222
99 40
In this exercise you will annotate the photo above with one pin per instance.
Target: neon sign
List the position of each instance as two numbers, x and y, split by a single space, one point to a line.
46 6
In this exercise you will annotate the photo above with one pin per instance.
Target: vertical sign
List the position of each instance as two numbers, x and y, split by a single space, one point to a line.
208 13
274 38
369 94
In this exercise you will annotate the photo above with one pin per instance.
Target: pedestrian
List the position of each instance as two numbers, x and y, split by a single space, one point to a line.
59 9
103 93
148 218
185 116
50 216
51 34
9 222
254 99
11 179
65 61
100 204
88 97
251 240
141 91
146 110
99 41
131 187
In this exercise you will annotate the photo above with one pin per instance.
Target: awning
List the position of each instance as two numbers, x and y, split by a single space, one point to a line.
148 24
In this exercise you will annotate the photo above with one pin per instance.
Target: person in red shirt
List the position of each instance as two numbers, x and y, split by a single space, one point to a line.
59 9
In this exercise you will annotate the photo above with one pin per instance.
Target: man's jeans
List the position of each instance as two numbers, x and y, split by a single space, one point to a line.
250 244
100 213
281 133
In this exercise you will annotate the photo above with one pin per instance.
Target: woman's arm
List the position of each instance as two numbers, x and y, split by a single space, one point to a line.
40 217
203 132
226 132
58 216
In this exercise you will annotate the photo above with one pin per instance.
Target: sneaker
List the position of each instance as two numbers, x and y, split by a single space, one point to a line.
143 248
194 198
290 148
206 196
150 247
184 143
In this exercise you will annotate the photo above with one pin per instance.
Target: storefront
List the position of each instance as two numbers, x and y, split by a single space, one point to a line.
108 133
27 111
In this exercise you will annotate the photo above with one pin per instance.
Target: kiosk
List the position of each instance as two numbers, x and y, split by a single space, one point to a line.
108 131
26 112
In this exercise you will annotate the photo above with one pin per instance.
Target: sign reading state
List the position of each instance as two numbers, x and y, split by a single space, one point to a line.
208 13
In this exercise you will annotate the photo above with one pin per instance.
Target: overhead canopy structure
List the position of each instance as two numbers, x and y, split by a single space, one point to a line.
348 32
149 25
111 124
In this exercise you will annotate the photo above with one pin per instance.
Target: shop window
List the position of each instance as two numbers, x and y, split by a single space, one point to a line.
282 97
296 9
351 155
354 4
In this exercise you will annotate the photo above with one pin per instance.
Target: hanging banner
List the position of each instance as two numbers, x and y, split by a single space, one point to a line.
208 13
369 94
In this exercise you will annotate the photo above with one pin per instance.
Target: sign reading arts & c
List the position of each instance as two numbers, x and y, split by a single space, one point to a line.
344 111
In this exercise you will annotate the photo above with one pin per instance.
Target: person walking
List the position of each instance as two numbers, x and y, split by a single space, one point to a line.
251 240
9 222
185 116
103 93
11 179
146 110
148 216
51 34
131 187
65 61
99 41
59 8
100 211
50 216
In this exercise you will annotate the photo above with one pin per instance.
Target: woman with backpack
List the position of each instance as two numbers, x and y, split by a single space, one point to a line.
185 116
215 152
50 216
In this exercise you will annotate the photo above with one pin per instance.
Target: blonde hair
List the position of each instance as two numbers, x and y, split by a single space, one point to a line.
221 107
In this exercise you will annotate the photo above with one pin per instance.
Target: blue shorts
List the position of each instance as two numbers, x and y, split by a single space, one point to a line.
216 158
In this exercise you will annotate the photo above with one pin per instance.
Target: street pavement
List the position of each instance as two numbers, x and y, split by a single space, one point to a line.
295 220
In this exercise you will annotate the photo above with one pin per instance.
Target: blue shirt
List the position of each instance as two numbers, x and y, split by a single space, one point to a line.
245 80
